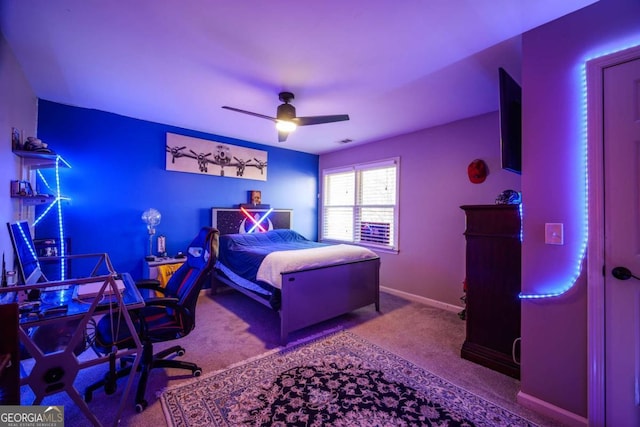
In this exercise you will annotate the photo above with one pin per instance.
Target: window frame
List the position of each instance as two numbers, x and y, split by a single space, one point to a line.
357 168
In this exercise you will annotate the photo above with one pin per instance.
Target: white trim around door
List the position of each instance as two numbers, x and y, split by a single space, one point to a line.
595 250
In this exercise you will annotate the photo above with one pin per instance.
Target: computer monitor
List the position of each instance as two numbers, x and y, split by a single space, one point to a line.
25 252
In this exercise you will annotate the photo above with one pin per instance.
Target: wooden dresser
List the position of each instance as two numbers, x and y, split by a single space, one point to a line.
493 284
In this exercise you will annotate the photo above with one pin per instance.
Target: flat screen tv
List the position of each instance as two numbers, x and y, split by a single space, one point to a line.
28 264
510 123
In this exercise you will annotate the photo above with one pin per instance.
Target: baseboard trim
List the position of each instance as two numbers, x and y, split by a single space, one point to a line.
422 300
545 408
533 403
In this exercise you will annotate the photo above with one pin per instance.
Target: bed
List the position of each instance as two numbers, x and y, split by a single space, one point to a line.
305 281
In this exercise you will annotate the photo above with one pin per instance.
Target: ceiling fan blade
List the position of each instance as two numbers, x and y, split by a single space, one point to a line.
287 113
282 136
262 116
316 120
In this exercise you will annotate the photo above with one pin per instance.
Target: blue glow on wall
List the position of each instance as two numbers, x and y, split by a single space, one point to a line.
119 171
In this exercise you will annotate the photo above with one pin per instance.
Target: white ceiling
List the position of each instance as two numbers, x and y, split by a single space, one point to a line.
395 66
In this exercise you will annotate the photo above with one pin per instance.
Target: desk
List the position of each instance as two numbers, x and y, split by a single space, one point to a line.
54 371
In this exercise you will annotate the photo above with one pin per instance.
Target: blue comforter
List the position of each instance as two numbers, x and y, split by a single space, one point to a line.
243 253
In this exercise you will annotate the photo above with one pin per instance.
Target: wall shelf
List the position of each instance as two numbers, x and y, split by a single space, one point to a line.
35 200
41 160
34 160
29 194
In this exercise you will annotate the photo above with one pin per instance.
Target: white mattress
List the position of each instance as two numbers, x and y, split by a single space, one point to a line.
276 263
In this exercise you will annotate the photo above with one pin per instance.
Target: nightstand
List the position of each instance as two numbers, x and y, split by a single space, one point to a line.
151 267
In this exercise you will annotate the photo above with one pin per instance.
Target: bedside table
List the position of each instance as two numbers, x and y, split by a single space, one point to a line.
150 270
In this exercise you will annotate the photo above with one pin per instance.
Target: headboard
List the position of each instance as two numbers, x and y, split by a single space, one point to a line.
246 220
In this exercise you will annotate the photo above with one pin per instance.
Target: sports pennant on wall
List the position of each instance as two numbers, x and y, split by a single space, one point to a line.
194 155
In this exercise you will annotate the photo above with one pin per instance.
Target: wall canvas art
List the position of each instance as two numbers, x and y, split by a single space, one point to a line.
194 155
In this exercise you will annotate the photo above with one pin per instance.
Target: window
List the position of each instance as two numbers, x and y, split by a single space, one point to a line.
360 204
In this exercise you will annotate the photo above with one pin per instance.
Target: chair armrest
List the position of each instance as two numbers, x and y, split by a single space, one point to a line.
150 284
163 302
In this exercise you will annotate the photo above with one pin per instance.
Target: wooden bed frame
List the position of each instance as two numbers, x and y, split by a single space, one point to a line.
314 295
311 295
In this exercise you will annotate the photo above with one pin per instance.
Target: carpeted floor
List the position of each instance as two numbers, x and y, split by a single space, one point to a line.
338 379
231 328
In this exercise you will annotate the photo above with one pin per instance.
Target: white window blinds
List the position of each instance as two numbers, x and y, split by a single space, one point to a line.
360 204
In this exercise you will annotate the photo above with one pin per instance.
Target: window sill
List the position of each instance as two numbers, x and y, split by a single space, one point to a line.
371 247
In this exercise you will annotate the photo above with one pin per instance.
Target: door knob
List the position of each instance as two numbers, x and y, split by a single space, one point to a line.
623 273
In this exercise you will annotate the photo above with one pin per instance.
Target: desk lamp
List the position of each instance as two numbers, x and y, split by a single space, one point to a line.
151 217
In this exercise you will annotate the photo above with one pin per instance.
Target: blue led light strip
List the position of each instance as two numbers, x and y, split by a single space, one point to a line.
28 244
521 225
585 141
563 288
58 204
46 211
44 181
63 273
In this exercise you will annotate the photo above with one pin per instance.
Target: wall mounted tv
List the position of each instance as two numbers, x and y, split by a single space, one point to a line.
510 122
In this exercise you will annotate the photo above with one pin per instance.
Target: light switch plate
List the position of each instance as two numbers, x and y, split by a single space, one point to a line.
554 233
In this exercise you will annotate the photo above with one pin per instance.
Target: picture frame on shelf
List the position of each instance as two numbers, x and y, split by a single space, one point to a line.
21 189
255 197
16 139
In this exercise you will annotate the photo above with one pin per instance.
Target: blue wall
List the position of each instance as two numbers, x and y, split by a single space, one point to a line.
118 171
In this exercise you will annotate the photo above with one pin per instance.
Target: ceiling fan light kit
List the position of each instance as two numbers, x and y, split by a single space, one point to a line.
286 119
286 126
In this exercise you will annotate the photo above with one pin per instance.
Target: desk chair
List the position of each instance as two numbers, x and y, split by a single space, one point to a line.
166 317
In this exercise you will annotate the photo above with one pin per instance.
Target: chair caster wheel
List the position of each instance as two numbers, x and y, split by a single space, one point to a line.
141 406
110 388
197 372
180 352
110 383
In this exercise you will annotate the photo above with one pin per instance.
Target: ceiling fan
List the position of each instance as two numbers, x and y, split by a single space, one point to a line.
286 120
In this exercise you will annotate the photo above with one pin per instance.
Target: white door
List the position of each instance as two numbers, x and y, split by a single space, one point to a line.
621 119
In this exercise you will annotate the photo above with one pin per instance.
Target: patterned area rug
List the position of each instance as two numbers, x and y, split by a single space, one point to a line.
337 380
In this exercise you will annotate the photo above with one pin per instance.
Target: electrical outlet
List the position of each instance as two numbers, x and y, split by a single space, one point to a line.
554 233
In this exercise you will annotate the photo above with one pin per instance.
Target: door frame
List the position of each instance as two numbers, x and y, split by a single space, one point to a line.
595 247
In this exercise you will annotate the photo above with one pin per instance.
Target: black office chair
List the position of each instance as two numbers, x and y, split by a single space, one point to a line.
167 317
